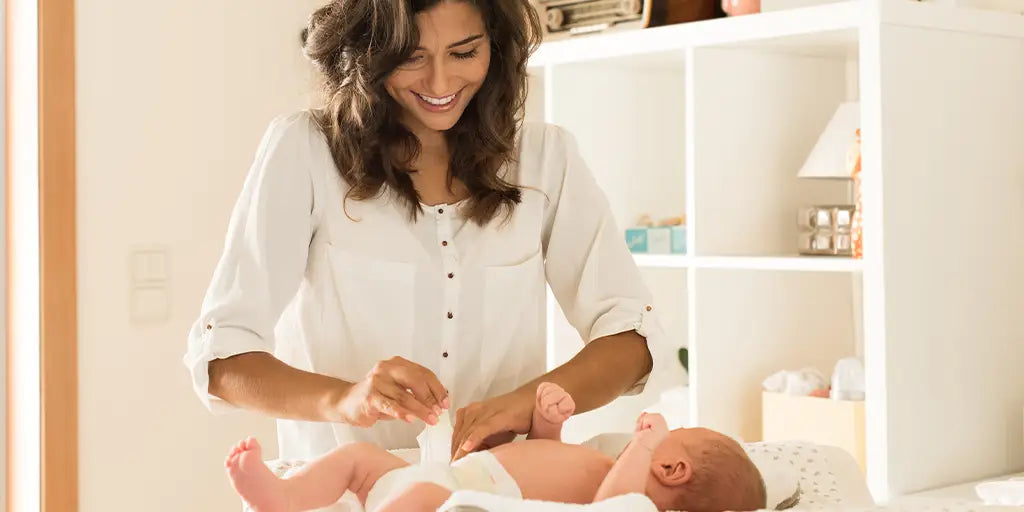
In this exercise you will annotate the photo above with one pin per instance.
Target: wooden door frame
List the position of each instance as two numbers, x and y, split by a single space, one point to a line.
58 280
58 257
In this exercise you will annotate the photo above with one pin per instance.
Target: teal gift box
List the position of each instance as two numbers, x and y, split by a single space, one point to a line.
636 240
657 240
678 239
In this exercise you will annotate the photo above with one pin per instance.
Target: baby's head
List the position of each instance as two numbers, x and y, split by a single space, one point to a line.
700 470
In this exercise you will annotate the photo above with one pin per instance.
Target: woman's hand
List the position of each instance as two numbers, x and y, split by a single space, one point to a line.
394 389
493 422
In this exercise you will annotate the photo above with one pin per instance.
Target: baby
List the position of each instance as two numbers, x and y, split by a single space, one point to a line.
696 470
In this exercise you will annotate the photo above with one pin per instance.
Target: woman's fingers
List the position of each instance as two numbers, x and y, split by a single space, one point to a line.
425 386
389 407
424 396
462 422
480 430
400 389
437 390
410 406
494 421
416 408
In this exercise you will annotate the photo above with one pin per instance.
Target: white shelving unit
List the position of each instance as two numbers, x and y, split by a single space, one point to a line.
794 263
713 119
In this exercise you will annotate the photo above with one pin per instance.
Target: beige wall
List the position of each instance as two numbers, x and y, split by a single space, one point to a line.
173 97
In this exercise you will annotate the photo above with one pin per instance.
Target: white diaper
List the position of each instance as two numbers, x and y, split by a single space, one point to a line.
479 471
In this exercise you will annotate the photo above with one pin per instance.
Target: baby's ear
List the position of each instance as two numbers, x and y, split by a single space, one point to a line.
672 473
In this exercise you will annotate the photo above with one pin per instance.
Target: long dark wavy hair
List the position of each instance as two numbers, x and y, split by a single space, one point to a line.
356 44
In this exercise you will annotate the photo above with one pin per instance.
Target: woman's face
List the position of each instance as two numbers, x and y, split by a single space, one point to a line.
447 69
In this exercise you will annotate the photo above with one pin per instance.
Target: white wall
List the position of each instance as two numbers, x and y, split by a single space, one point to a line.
172 100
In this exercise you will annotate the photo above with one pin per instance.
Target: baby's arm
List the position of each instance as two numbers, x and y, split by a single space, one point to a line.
633 468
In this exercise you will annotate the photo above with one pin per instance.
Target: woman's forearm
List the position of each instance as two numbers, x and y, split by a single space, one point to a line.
260 382
605 369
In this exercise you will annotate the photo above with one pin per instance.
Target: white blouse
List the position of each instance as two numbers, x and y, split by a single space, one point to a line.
333 293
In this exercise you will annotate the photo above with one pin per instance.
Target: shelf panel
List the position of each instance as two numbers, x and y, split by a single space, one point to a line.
794 263
662 260
942 17
816 30
789 263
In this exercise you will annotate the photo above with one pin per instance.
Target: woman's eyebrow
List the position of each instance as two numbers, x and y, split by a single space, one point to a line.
467 40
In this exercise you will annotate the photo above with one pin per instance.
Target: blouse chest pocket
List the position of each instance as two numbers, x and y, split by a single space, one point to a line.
514 303
377 298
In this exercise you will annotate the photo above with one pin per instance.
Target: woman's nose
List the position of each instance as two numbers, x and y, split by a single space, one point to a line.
437 82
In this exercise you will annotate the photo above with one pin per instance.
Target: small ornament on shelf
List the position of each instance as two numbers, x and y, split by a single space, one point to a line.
665 236
857 226
741 7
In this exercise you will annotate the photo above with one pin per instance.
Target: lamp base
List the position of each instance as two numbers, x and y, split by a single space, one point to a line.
825 230
825 243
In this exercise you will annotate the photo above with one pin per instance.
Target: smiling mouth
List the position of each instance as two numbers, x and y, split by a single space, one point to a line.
436 104
437 101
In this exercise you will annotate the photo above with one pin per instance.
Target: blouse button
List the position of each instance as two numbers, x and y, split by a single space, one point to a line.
450 275
209 327
444 243
444 355
648 308
450 315
440 210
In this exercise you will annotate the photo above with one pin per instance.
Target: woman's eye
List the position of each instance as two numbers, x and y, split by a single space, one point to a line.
414 59
465 55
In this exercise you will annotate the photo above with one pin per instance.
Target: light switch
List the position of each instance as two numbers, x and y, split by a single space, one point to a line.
150 304
140 264
149 266
157 264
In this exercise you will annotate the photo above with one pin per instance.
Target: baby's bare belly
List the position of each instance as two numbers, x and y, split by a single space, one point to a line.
554 471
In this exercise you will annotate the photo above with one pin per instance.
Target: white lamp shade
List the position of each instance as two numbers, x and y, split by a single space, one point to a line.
828 158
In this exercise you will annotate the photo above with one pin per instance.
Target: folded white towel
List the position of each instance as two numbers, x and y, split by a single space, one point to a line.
473 501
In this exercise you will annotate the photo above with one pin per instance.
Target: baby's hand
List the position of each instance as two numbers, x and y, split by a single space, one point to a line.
651 430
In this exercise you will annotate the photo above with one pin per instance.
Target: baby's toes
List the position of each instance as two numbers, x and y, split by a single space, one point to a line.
542 392
252 445
552 414
566 406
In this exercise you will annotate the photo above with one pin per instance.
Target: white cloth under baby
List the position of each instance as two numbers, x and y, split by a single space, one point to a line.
479 471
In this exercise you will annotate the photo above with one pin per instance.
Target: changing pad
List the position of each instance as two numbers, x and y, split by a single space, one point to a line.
828 477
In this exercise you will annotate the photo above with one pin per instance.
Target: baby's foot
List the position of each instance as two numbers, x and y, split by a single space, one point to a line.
554 405
252 479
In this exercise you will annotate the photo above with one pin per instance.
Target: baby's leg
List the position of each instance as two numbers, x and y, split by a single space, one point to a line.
419 497
552 408
320 483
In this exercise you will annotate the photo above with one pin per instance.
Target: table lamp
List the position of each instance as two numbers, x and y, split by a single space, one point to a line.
827 229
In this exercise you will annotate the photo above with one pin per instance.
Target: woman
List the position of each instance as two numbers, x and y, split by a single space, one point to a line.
388 254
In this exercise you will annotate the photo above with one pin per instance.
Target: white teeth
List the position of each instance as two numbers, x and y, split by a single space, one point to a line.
437 101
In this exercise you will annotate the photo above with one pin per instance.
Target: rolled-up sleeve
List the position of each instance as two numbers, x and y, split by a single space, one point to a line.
264 257
588 266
